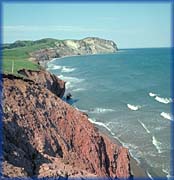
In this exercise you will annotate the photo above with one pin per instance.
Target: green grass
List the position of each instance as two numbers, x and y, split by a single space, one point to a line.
20 55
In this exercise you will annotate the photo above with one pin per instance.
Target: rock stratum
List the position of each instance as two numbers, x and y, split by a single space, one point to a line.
87 46
45 137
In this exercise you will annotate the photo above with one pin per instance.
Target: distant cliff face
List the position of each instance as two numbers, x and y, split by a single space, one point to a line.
45 137
85 46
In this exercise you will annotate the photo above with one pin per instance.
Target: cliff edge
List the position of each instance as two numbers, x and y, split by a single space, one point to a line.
45 137
87 46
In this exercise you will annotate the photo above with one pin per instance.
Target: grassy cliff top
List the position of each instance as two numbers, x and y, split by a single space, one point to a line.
17 53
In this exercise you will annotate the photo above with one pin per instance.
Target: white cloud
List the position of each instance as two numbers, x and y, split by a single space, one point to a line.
23 28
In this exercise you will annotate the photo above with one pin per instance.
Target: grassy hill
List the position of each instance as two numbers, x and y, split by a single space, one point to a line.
17 53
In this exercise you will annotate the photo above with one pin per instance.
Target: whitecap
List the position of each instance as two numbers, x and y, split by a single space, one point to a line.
144 126
166 115
133 107
163 100
101 110
67 69
157 144
152 94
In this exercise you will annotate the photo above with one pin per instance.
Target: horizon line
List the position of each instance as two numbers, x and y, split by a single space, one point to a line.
90 37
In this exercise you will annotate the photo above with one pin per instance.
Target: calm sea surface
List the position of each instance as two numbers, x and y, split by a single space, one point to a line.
126 94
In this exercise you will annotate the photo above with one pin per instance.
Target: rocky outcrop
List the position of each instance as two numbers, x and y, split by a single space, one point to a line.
45 137
46 79
75 47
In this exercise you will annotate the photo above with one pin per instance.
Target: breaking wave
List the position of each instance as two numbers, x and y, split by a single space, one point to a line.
101 124
133 149
167 172
82 110
144 126
133 107
157 144
53 67
163 100
152 94
166 115
160 99
101 110
68 85
70 81
149 175
67 69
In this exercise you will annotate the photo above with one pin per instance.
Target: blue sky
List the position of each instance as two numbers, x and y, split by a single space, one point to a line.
130 25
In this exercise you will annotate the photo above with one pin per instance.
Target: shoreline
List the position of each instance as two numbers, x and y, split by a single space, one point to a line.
44 63
136 169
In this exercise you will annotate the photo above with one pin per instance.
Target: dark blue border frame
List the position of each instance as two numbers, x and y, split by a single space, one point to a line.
90 1
172 90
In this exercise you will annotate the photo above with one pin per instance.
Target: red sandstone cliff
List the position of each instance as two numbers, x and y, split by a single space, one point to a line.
45 137
46 79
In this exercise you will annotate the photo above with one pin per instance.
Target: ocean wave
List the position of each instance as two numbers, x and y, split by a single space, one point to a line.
157 144
101 110
152 94
149 175
166 116
68 85
67 69
100 124
163 100
144 126
53 67
79 89
82 110
71 79
167 172
133 149
133 107
160 99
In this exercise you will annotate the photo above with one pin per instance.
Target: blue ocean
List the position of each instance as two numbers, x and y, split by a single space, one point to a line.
127 95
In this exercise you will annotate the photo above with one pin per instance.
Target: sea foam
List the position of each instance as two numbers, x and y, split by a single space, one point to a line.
53 67
133 107
101 124
157 144
68 85
101 110
149 175
79 89
144 126
167 172
166 115
152 94
67 69
163 100
71 79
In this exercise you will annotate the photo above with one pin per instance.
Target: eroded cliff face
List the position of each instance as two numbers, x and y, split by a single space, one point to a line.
45 79
75 47
45 137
